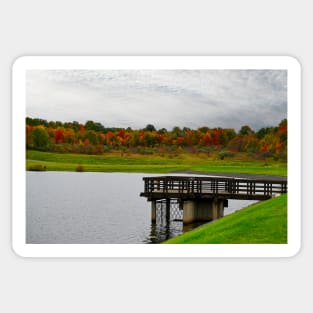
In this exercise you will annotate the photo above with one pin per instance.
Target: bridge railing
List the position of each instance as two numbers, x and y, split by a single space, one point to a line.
213 185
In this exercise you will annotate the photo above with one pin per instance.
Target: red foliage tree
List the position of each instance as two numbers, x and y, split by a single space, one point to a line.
58 136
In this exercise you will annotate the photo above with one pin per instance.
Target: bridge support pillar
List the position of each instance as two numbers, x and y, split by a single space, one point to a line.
153 211
189 212
217 208
202 210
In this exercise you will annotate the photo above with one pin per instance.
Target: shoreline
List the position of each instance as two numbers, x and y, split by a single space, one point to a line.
188 172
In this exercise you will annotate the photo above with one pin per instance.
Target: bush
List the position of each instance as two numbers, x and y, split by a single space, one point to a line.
37 168
80 168
206 150
145 151
224 154
107 148
264 155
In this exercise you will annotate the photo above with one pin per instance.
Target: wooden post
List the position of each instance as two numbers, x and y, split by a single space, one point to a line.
153 211
168 210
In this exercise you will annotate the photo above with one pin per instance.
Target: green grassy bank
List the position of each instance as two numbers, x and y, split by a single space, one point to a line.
261 223
115 162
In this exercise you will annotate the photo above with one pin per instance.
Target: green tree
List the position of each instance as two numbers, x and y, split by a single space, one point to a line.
75 126
246 130
89 125
176 131
40 138
36 121
92 137
283 122
261 133
162 131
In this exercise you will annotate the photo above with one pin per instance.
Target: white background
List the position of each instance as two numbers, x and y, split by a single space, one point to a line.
154 28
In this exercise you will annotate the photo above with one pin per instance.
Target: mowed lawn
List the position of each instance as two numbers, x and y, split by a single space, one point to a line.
114 162
262 223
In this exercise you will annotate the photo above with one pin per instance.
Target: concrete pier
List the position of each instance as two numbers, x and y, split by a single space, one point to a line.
217 208
202 210
189 214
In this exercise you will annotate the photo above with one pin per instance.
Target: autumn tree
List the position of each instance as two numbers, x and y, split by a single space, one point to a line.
58 135
93 138
282 131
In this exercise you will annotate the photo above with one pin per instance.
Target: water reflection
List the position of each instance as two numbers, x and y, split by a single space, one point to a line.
162 232
169 222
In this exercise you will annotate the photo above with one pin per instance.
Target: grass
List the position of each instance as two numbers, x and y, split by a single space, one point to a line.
114 162
261 223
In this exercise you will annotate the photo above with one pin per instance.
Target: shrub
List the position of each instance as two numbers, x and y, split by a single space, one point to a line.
224 154
107 148
80 168
145 151
268 154
37 168
264 155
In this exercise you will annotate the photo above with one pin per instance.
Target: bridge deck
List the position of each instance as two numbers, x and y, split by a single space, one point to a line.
185 187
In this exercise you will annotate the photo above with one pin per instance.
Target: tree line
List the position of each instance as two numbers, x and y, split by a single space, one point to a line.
93 138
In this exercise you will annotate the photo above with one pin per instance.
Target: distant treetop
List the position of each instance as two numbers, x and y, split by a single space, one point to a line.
150 128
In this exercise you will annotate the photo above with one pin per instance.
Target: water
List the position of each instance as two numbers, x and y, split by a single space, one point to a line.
95 208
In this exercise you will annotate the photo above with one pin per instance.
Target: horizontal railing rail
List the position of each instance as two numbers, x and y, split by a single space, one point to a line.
213 185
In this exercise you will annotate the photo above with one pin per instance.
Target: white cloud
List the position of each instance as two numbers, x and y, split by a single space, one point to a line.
165 98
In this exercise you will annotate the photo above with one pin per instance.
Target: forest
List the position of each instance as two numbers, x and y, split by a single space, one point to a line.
93 138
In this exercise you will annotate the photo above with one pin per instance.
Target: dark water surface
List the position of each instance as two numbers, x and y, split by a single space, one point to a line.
95 208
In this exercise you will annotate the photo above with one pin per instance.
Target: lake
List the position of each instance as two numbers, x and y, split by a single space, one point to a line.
95 208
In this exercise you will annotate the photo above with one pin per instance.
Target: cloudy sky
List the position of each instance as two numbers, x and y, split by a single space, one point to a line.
164 98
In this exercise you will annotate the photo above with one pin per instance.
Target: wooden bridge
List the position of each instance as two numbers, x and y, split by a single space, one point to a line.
204 198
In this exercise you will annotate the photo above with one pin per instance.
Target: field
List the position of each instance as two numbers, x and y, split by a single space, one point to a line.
117 162
261 223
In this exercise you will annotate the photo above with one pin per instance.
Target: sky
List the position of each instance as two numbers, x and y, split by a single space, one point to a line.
164 98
